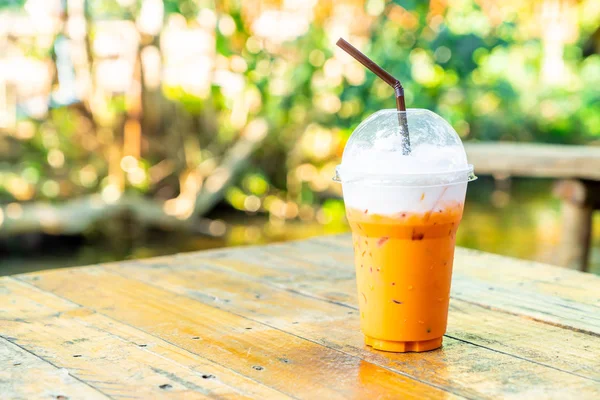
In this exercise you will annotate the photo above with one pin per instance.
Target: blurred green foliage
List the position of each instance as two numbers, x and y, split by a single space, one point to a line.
484 69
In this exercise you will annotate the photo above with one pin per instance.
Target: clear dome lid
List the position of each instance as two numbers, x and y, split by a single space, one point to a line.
376 151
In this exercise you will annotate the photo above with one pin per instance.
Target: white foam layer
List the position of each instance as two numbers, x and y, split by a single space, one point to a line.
375 175
389 200
389 182
437 161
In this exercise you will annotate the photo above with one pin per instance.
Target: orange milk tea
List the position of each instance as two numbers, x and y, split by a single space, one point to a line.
403 270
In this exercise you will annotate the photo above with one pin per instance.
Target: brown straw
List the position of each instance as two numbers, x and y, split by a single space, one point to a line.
390 80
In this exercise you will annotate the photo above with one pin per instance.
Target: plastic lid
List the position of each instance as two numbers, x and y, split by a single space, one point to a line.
374 151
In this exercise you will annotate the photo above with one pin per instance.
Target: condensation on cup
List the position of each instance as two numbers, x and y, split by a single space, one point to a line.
404 211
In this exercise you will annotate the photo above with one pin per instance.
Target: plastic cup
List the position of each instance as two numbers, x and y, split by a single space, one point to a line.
404 211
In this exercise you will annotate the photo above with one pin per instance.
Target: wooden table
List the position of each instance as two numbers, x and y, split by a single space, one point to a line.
578 171
280 321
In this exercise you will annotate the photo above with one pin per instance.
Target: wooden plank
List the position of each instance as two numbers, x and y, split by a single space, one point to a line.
292 365
545 293
540 160
267 263
20 300
99 341
564 350
24 376
242 385
530 276
118 368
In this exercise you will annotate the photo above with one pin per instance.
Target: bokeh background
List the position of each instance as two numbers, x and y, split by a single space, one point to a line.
133 128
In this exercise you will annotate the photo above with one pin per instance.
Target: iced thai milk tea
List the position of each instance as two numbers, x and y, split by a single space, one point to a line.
404 212
403 271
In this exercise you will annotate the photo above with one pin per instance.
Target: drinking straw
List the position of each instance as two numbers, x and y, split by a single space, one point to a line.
390 80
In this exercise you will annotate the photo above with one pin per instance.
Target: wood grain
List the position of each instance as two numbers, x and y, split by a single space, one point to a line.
562 350
529 159
103 353
285 362
280 321
480 328
24 376
241 385
116 367
20 300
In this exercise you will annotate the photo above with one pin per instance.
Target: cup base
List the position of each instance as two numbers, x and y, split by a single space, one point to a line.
403 347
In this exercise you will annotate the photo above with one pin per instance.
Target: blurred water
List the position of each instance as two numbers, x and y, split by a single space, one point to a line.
521 219
518 218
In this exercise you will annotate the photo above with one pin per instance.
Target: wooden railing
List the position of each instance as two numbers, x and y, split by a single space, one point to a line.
577 170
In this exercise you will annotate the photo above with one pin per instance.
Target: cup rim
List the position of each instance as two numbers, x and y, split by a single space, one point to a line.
400 179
